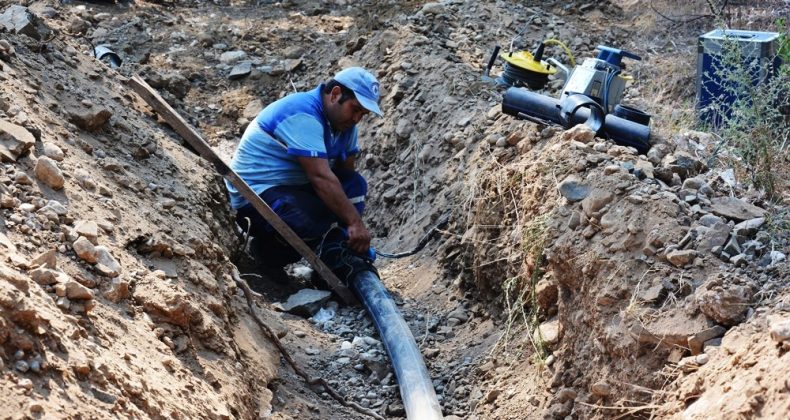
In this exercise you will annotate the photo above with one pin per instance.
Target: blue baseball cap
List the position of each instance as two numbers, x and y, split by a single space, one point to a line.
364 85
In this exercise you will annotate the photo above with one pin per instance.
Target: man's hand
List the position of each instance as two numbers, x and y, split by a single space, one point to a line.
358 238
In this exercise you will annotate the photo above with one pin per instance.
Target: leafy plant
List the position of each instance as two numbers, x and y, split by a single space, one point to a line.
750 109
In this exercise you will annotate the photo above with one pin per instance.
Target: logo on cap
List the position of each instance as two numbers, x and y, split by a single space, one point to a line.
375 89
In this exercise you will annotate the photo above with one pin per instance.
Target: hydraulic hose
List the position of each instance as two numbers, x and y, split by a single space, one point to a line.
416 387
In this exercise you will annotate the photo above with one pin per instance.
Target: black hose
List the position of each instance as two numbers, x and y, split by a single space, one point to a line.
416 386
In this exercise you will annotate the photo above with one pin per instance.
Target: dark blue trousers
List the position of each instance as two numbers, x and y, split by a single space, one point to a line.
300 208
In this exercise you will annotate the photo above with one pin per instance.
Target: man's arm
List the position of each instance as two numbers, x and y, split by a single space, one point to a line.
349 163
329 190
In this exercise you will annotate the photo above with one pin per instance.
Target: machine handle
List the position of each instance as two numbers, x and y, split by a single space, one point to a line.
493 58
609 51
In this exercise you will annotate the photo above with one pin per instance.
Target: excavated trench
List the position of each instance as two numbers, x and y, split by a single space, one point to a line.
527 304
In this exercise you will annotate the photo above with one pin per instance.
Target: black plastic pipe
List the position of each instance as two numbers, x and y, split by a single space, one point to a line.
416 387
523 103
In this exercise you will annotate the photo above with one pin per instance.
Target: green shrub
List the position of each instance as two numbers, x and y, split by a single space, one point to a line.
755 125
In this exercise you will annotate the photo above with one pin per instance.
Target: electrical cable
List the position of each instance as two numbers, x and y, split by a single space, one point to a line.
554 41
516 76
443 221
606 85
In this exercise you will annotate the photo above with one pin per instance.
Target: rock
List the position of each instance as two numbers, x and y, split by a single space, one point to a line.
19 20
572 189
89 119
735 209
779 327
8 201
748 228
87 228
6 50
712 237
645 167
581 133
231 57
403 129
55 207
252 109
566 394
546 292
548 332
47 260
118 291
709 220
21 366
596 200
43 276
433 9
291 64
240 71
106 264
492 395
693 183
601 389
76 291
776 257
15 140
726 305
697 341
53 152
459 314
306 302
681 258
85 249
396 410
47 171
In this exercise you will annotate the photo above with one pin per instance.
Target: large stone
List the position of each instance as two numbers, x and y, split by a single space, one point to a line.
106 264
45 276
14 141
726 304
596 200
779 327
47 260
47 171
252 109
548 332
748 228
581 133
572 189
681 258
231 57
433 8
89 119
87 228
76 291
712 237
118 291
306 302
736 209
671 329
240 71
18 19
54 152
697 341
55 207
546 292
85 249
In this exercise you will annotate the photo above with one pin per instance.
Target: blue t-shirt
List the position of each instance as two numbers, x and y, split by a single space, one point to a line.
286 129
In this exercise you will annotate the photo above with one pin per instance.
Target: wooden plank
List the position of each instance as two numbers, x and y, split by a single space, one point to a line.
189 134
